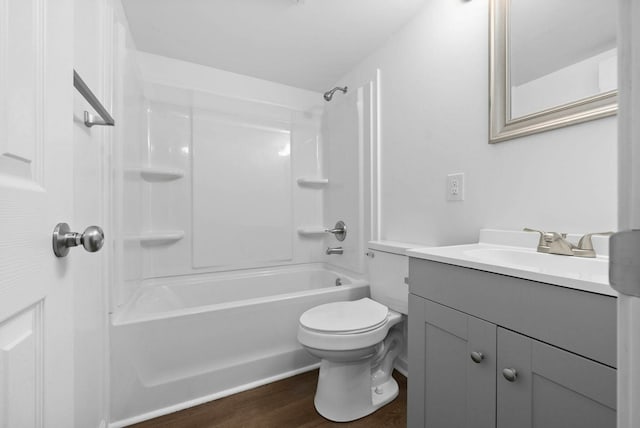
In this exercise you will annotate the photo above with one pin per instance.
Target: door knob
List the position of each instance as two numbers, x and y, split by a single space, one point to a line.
510 374
91 239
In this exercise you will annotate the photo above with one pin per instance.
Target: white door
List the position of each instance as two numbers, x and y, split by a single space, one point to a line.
629 212
36 323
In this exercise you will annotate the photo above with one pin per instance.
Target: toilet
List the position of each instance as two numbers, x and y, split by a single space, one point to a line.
357 343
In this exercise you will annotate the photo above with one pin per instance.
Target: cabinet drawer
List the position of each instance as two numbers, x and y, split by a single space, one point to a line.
580 322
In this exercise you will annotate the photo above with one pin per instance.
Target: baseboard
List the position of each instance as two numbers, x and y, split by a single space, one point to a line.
402 366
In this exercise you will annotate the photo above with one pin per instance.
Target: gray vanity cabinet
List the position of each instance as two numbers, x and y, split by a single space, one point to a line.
467 326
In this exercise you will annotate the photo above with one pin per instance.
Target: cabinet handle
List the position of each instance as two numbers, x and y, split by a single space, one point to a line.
477 357
510 374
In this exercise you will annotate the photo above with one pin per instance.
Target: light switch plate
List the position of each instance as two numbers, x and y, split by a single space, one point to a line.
455 187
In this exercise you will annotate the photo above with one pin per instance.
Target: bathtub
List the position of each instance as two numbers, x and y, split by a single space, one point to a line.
176 345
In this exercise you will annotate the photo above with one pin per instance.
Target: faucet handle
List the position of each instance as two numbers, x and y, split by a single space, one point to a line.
547 236
339 230
585 242
541 241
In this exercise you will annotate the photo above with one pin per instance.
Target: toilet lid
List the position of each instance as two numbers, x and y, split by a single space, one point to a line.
345 317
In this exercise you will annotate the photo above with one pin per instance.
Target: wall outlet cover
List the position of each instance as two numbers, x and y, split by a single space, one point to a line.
455 187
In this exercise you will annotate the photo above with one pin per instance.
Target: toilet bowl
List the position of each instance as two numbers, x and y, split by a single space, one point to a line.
358 344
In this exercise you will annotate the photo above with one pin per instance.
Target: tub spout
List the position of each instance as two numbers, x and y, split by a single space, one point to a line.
334 250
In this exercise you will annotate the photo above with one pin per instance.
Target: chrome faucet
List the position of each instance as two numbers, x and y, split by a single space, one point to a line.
553 243
556 243
334 250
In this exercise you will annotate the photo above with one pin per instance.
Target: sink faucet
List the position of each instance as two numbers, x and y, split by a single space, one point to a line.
556 243
334 250
553 243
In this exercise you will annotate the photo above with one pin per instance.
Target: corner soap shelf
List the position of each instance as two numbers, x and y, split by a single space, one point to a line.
157 173
157 237
312 182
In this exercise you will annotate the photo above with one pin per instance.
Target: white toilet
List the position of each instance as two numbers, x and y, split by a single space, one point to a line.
356 343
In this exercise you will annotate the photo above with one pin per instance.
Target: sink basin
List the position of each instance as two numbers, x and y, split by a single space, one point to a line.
524 262
569 266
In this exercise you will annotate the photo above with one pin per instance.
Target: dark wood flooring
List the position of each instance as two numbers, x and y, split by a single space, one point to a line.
283 404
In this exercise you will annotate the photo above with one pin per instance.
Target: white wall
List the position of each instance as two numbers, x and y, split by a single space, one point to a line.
343 195
104 56
350 141
93 44
434 120
129 136
194 77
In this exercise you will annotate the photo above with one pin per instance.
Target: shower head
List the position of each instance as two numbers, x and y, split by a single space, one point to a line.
329 94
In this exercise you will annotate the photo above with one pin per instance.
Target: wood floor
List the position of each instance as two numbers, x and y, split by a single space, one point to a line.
283 404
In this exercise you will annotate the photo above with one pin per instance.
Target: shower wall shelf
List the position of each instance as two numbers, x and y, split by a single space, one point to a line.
312 231
157 237
315 182
158 173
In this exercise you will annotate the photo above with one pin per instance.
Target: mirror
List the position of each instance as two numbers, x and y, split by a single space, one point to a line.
552 64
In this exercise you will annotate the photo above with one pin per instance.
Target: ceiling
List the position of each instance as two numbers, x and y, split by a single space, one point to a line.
308 44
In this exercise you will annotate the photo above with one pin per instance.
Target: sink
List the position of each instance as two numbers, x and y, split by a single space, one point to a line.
587 274
574 267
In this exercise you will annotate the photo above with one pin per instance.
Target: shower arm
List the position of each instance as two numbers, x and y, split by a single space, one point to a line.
329 94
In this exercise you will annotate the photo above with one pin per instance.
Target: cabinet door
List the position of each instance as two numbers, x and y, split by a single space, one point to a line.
447 389
552 388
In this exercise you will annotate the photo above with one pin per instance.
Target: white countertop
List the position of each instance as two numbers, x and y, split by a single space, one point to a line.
520 259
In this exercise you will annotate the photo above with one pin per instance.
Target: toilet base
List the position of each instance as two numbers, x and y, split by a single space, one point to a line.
385 393
345 392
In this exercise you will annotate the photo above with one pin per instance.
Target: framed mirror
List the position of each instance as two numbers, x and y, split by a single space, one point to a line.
552 64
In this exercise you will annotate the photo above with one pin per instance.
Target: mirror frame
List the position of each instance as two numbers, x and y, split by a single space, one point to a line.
501 126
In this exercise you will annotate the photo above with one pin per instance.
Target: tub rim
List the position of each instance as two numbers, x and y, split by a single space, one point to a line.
122 316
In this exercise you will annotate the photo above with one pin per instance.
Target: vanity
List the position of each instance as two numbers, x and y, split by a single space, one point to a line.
503 336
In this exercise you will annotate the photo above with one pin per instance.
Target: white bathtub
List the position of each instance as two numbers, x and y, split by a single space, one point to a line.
182 344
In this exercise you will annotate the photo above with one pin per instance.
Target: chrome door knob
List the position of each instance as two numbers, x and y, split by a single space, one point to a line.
510 374
92 239
477 357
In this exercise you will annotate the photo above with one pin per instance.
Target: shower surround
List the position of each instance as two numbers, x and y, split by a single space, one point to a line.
220 245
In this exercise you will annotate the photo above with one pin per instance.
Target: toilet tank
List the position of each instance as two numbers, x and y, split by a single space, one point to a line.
387 273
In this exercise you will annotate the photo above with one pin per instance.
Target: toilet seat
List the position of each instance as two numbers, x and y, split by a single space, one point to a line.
317 330
351 317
